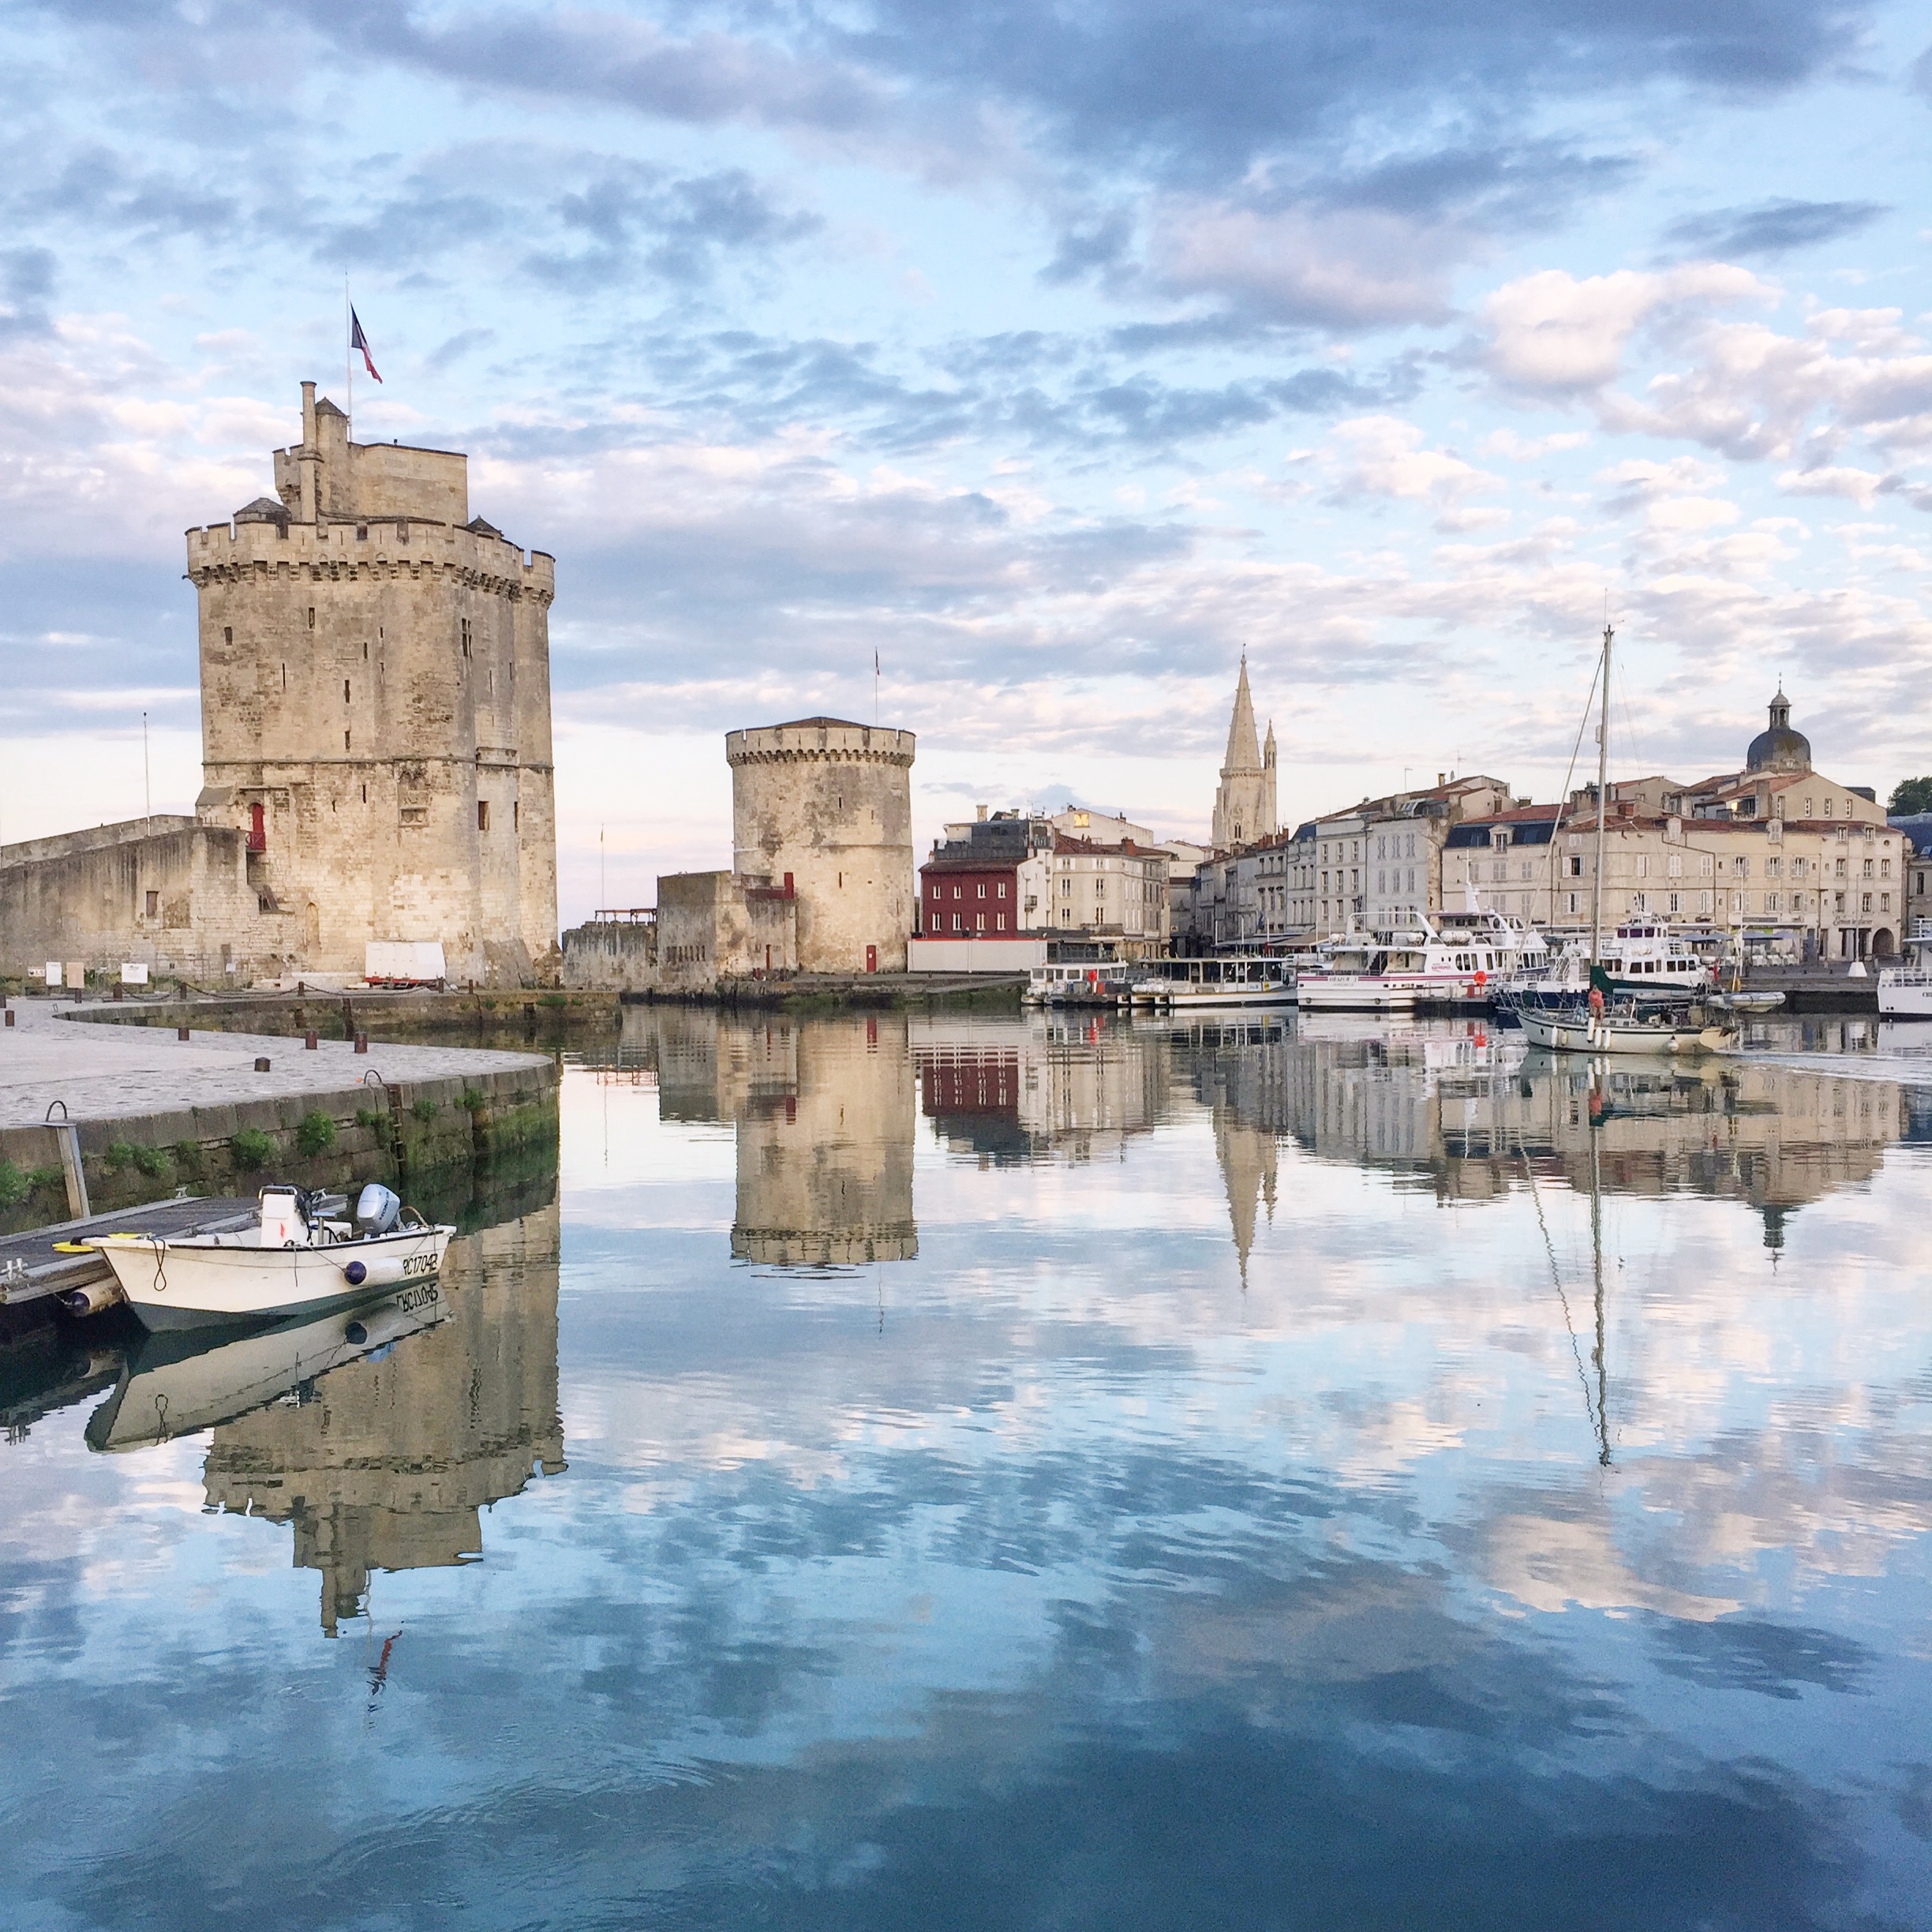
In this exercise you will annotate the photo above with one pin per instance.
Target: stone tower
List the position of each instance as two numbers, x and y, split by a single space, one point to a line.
375 709
1243 809
824 807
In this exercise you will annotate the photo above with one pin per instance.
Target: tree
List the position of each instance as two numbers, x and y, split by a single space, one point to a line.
1911 794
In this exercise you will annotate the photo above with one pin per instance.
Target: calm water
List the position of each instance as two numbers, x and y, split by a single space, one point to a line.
955 1473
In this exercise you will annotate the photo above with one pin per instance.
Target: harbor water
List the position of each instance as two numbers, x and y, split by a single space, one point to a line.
930 1472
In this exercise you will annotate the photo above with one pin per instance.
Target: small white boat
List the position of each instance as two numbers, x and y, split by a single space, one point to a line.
1080 983
1250 980
1577 1030
299 1259
1747 1000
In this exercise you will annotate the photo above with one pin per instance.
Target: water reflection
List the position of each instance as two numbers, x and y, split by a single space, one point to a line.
1340 1475
386 1463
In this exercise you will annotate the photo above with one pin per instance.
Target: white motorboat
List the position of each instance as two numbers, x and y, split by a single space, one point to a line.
1643 960
300 1258
1579 1030
1251 979
173 1384
1401 968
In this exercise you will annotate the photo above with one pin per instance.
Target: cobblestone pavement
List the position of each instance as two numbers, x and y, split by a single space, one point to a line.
104 1071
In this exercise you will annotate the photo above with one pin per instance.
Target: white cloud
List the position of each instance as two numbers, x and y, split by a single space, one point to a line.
1385 456
1360 268
1551 332
1831 480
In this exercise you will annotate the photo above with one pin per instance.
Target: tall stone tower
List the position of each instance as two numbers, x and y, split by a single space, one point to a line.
375 709
1243 809
825 806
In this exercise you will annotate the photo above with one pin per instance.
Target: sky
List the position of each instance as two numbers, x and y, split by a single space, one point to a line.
1051 354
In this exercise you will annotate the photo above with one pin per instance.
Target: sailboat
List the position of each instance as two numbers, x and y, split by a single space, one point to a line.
1590 1026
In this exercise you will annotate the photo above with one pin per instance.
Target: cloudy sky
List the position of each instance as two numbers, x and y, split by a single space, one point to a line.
1051 353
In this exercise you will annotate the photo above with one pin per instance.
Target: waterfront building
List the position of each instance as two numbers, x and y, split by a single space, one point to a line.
1084 889
1244 808
1379 864
971 887
1790 860
375 675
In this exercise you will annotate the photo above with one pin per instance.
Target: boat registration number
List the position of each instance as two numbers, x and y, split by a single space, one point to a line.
421 1295
417 1264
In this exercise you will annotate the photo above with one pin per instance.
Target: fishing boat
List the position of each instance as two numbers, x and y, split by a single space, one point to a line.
302 1257
1579 1029
1399 969
1252 980
1596 1020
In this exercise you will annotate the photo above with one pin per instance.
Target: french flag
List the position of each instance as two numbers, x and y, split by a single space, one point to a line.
358 340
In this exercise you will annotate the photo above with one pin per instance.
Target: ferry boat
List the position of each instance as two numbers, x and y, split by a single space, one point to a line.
300 1258
1080 982
1905 992
1397 969
1247 980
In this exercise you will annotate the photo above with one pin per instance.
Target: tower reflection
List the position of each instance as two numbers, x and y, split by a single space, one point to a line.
386 1462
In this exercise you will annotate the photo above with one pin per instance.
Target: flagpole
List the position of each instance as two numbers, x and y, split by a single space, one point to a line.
348 356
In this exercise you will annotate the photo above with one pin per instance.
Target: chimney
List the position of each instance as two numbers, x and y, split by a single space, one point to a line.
311 466
1441 777
980 813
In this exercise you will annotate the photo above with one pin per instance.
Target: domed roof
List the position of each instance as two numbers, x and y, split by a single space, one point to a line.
1778 748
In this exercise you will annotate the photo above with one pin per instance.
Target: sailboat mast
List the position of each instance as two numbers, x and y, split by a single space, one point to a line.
1603 803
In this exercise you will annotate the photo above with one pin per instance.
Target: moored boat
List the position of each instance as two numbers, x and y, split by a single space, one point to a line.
1399 969
1249 979
300 1258
1580 1029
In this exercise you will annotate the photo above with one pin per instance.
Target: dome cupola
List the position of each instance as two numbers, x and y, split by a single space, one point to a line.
1778 748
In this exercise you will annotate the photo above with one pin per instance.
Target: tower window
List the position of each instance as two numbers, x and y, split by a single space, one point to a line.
362 533
345 690
466 637
516 814
482 814
228 633
285 677
366 650
365 794
345 741
311 617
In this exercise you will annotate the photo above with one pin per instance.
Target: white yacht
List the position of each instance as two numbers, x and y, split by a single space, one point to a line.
1642 958
1247 979
1397 969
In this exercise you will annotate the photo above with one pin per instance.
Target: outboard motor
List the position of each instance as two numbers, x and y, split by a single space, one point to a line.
377 1210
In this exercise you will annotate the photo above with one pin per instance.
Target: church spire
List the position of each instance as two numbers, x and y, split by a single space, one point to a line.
1244 751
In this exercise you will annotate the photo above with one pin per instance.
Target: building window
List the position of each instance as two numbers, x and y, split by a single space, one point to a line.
1674 905
999 921
1865 902
1827 808
154 904
482 814
978 922
1576 868
982 888
959 922
956 891
1002 889
1885 902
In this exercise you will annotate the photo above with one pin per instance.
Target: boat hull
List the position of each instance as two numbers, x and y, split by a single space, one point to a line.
196 1284
1905 995
1564 1033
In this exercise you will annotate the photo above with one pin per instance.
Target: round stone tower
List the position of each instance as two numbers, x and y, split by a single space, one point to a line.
824 806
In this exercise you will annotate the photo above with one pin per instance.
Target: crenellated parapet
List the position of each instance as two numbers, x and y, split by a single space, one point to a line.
820 740
263 546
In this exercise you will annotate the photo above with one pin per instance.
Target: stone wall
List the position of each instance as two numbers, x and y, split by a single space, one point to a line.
611 955
167 893
829 804
713 926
